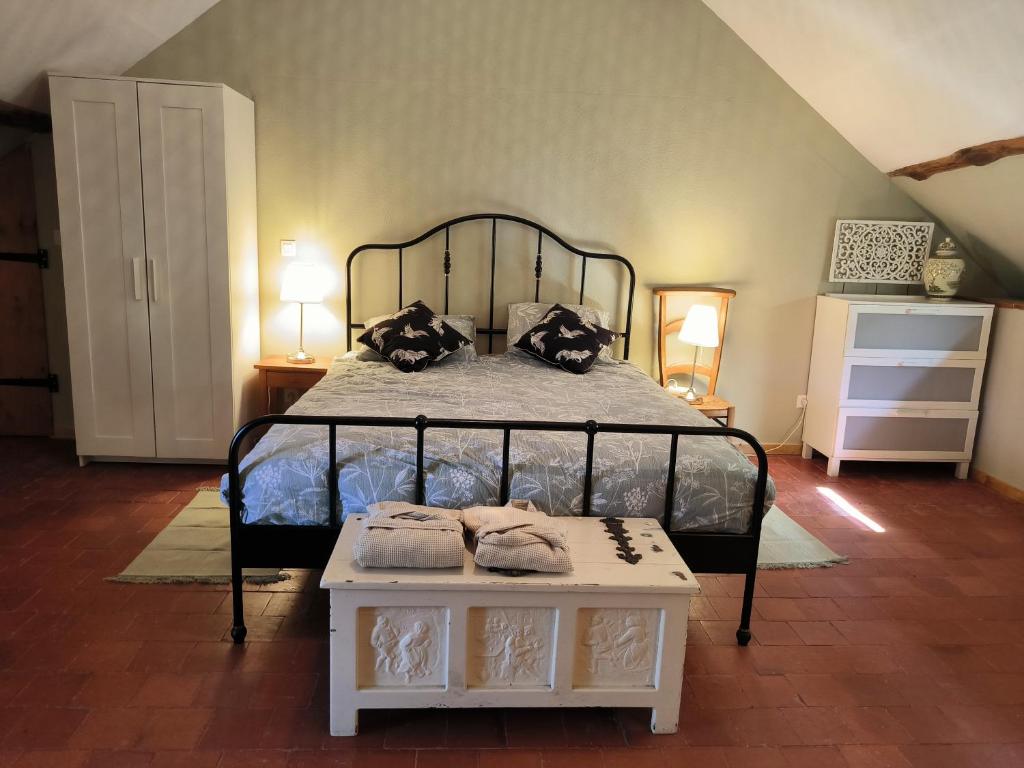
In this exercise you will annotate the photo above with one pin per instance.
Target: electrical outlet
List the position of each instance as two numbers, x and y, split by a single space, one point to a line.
801 401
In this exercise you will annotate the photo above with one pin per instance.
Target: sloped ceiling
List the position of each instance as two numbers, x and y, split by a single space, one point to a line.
89 36
905 81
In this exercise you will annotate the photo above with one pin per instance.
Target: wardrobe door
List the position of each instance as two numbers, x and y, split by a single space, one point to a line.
99 190
183 172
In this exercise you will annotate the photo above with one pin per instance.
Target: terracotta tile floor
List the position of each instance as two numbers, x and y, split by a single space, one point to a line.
911 655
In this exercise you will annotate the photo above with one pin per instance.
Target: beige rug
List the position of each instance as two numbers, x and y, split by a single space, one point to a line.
787 544
194 548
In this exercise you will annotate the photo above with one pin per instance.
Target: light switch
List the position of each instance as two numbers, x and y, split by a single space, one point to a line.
288 249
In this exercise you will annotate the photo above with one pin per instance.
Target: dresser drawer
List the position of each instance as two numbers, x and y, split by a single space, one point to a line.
918 331
905 434
878 382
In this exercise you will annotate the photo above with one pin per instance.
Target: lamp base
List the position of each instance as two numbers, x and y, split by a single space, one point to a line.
692 397
301 358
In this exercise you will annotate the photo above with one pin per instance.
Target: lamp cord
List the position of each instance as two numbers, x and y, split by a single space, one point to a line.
799 421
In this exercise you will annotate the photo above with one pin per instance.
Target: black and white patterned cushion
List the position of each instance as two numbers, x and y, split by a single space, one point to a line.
413 338
564 339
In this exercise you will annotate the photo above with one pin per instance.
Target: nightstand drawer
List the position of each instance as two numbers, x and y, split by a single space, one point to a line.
873 382
293 379
905 434
280 382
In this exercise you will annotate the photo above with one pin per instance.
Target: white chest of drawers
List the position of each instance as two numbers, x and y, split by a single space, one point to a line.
895 378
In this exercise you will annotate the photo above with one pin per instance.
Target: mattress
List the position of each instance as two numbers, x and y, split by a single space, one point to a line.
284 477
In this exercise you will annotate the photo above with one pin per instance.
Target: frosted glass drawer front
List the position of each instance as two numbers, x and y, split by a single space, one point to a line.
917 332
874 433
875 382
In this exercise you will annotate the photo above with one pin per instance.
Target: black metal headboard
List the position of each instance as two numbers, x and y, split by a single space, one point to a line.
490 331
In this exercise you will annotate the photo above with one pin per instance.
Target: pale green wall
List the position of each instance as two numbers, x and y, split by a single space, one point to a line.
982 206
643 126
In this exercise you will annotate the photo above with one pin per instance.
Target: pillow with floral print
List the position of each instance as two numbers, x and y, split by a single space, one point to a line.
565 339
413 338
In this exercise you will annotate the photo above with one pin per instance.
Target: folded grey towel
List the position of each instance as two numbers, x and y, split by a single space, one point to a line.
522 542
400 535
387 507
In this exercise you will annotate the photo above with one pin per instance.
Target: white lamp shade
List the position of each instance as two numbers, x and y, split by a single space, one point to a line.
303 281
700 327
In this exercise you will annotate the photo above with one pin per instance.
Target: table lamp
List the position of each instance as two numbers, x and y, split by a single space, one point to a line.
303 282
700 328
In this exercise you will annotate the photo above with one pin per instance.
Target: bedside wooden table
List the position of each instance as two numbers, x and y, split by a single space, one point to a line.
714 407
277 373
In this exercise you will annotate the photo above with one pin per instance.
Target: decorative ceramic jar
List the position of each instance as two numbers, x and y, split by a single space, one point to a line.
942 271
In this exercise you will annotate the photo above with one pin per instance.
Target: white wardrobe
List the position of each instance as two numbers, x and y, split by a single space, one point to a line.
156 186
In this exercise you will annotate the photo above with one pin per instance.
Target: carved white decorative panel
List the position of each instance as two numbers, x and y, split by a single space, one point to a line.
616 647
510 647
880 251
405 647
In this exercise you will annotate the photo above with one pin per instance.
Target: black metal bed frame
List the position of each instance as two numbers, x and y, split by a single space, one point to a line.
310 546
446 264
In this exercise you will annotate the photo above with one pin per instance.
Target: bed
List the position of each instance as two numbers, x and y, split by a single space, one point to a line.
284 479
607 443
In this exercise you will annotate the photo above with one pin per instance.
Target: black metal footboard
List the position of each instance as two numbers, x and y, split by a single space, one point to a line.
305 546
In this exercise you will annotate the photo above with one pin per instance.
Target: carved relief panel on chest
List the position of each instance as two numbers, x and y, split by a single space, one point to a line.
616 647
405 647
511 647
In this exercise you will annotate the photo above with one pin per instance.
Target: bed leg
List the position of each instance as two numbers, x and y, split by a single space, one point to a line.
238 630
743 633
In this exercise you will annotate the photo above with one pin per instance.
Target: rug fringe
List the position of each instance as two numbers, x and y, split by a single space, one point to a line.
811 564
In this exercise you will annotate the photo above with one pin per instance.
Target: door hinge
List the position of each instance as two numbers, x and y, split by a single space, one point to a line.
41 257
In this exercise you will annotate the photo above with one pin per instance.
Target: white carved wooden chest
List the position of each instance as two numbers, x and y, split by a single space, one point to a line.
610 634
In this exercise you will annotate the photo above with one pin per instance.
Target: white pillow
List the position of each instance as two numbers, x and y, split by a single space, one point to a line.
464 324
523 316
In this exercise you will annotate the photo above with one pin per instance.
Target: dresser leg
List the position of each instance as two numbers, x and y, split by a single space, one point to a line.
806 451
833 468
962 468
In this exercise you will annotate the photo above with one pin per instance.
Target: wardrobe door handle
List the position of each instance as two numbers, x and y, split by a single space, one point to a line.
152 280
137 278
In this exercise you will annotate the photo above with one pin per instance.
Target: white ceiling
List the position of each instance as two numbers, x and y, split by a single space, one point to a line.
89 36
903 81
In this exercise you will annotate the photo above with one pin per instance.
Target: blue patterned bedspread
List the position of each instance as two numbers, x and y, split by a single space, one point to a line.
284 478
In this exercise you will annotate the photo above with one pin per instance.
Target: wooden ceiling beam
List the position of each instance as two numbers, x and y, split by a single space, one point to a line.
980 154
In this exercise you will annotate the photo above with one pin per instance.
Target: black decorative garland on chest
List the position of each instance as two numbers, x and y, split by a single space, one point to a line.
617 533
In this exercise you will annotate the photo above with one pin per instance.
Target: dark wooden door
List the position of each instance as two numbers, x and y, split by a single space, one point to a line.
23 410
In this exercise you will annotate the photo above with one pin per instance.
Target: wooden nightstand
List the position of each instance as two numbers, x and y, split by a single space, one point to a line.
277 373
714 407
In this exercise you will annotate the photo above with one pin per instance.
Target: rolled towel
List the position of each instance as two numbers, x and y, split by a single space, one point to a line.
522 542
400 535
